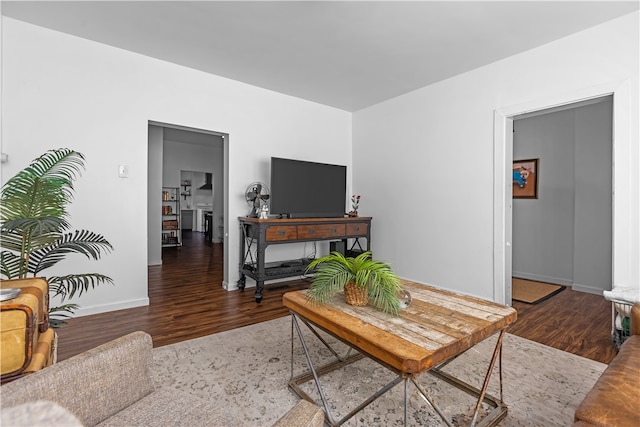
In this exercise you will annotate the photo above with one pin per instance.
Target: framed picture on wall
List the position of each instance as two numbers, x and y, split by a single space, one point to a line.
525 179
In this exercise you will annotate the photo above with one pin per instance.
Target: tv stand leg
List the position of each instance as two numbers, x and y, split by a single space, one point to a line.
241 282
259 289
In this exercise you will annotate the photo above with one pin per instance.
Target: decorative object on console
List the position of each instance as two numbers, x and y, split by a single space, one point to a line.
361 278
355 202
264 212
257 195
34 227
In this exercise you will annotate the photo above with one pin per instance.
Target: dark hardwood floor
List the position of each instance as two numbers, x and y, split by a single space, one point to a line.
572 321
187 301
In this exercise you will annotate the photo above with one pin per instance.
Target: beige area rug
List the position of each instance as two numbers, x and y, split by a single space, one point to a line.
245 371
533 292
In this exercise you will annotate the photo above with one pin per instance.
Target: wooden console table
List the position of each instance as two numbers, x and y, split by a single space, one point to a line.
258 234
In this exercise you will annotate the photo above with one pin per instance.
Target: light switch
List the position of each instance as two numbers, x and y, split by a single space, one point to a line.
123 171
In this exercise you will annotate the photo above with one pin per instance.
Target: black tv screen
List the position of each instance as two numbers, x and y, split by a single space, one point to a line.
301 189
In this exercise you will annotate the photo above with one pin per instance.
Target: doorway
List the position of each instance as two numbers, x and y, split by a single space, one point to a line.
174 150
562 235
624 247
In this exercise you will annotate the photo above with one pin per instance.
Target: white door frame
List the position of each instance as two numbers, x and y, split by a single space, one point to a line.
625 247
225 186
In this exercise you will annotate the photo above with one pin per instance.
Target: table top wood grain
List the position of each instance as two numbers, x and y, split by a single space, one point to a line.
437 325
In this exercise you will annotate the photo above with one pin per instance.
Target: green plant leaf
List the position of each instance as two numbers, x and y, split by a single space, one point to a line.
14 240
11 264
334 270
67 286
34 225
83 242
58 315
43 188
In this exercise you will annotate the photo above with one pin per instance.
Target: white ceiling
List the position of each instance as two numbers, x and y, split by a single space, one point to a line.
346 54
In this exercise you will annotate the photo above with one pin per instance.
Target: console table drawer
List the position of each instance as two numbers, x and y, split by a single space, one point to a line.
357 229
321 231
281 232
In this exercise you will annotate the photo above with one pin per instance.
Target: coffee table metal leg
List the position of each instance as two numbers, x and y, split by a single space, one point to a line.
294 383
371 399
499 410
428 398
406 400
497 414
500 372
313 371
497 351
326 344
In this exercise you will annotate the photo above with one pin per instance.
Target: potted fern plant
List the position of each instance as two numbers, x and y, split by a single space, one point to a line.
362 279
34 228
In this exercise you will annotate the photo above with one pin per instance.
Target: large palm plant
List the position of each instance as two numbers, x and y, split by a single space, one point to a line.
334 271
35 230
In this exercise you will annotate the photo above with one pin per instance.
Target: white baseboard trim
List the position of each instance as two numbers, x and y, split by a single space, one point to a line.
587 289
546 279
233 286
97 309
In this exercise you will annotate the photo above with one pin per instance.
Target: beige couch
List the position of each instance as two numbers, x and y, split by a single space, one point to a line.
111 385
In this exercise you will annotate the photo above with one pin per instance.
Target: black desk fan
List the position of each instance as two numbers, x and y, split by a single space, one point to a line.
256 195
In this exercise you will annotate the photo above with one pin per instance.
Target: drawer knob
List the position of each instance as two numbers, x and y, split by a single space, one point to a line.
357 228
334 230
311 231
281 233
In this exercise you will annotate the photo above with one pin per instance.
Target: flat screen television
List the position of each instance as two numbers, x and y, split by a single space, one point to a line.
301 189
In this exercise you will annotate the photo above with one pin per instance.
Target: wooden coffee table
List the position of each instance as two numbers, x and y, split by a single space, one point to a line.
437 326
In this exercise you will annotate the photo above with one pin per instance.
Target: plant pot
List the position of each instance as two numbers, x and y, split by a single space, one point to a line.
355 295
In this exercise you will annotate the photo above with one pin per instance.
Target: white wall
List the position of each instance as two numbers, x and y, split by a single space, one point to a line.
564 236
154 187
63 91
543 227
424 161
592 261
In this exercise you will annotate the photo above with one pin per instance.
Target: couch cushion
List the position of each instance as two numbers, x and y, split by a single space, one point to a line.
39 413
171 407
93 385
613 400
